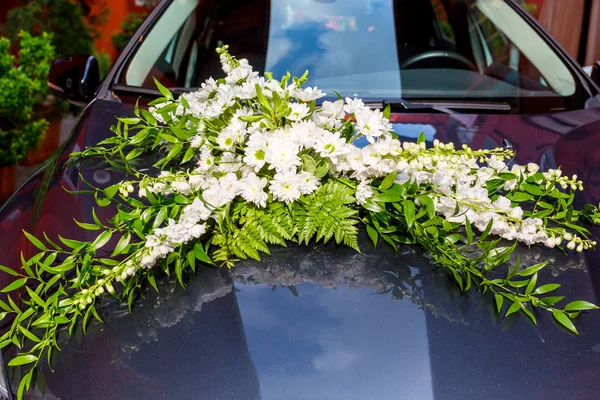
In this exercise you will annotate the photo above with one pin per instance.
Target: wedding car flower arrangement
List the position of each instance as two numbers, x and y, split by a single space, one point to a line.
247 162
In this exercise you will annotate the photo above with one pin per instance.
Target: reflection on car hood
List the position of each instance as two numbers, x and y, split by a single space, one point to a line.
329 323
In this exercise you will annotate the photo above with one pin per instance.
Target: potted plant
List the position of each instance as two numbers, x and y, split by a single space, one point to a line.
22 84
72 34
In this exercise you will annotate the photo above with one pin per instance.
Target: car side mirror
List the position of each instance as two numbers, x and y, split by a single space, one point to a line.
595 75
75 78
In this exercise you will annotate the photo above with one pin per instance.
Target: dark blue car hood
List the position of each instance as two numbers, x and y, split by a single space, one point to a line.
325 322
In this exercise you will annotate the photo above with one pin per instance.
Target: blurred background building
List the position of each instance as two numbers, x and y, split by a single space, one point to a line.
574 23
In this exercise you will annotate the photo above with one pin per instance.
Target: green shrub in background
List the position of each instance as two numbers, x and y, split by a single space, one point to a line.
22 88
64 18
128 28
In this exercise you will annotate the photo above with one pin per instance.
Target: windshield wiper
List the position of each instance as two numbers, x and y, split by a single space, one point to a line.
437 106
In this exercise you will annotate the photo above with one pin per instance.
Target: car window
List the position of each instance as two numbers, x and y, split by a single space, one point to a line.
414 49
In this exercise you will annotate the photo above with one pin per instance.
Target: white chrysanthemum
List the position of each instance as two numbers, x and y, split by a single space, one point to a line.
371 124
285 186
308 94
282 154
332 109
206 160
353 105
331 145
298 112
252 188
363 192
305 133
227 139
308 183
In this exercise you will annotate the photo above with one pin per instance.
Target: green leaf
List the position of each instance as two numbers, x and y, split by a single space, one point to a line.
428 203
86 226
409 212
110 191
531 284
22 360
499 302
421 138
189 153
529 314
101 240
562 319
519 197
163 90
160 217
29 335
201 254
546 288
386 111
533 269
9 271
373 235
322 170
14 285
469 230
35 241
551 300
486 231
308 163
152 280
516 306
129 121
387 197
580 306
122 244
34 296
388 181
532 189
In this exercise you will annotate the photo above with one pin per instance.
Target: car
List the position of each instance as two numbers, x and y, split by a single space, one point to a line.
322 322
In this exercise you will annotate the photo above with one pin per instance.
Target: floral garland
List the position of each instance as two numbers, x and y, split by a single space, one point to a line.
246 162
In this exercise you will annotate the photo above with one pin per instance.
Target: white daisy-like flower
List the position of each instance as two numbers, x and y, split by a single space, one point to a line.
285 186
298 112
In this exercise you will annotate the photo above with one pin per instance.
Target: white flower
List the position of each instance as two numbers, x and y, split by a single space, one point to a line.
371 124
227 139
198 230
333 110
308 94
363 192
285 186
308 183
298 112
495 163
240 73
181 186
282 154
533 168
255 152
331 145
305 133
353 105
253 190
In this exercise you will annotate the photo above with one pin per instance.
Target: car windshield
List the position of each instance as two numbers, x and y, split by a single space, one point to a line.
375 49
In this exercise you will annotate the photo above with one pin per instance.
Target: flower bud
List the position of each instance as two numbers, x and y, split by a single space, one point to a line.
580 248
567 236
571 245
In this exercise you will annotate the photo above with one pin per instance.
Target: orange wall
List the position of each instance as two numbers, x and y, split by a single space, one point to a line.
117 13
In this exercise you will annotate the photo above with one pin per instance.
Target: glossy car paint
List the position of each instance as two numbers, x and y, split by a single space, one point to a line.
345 325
